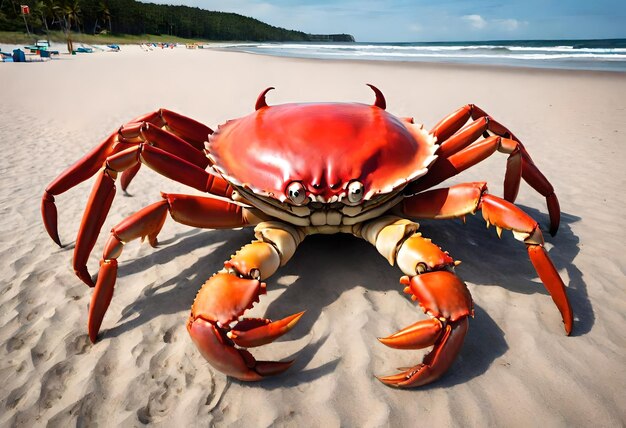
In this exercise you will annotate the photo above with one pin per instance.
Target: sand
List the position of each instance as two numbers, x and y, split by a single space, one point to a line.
516 368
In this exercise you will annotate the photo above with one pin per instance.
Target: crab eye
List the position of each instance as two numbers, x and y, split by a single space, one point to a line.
296 193
355 192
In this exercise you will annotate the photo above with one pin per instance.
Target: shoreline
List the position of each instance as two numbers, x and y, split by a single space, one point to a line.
601 55
432 64
527 69
144 369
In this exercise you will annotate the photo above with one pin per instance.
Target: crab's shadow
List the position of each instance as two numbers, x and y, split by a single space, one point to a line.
327 266
175 295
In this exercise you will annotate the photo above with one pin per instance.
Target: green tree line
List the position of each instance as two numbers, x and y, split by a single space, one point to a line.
133 17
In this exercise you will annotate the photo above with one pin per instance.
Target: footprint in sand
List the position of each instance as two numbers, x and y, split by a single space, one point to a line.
77 344
53 384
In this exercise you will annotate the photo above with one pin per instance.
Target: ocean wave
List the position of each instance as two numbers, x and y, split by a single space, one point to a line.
485 56
442 48
593 56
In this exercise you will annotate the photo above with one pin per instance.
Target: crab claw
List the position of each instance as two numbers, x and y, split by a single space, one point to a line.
225 297
443 296
221 301
258 331
416 336
219 351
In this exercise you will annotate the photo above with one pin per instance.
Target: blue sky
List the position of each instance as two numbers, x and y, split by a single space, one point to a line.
445 20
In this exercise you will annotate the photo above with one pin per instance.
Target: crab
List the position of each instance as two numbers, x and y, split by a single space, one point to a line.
298 169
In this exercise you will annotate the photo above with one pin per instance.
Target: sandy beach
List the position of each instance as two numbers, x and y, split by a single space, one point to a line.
516 365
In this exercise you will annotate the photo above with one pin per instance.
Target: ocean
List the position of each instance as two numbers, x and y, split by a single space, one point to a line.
605 55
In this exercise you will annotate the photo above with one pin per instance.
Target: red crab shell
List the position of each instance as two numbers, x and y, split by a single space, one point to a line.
324 146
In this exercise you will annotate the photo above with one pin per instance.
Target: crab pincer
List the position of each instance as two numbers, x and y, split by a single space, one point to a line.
299 169
222 301
444 297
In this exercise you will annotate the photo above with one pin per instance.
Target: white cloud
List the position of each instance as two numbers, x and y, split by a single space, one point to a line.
475 21
391 20
509 24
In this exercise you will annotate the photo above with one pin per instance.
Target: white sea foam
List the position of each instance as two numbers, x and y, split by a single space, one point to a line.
388 49
534 54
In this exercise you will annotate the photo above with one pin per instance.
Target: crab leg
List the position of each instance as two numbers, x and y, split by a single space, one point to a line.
439 292
449 125
186 133
145 132
98 206
104 190
192 131
455 156
225 297
447 167
190 210
79 172
458 201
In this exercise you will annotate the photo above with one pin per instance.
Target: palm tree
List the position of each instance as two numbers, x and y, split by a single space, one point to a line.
72 12
53 10
41 8
106 14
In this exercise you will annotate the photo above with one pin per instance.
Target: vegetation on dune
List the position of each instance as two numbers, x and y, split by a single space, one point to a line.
130 17
22 38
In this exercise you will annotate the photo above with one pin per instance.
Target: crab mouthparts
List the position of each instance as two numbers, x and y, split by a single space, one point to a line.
323 217
321 199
